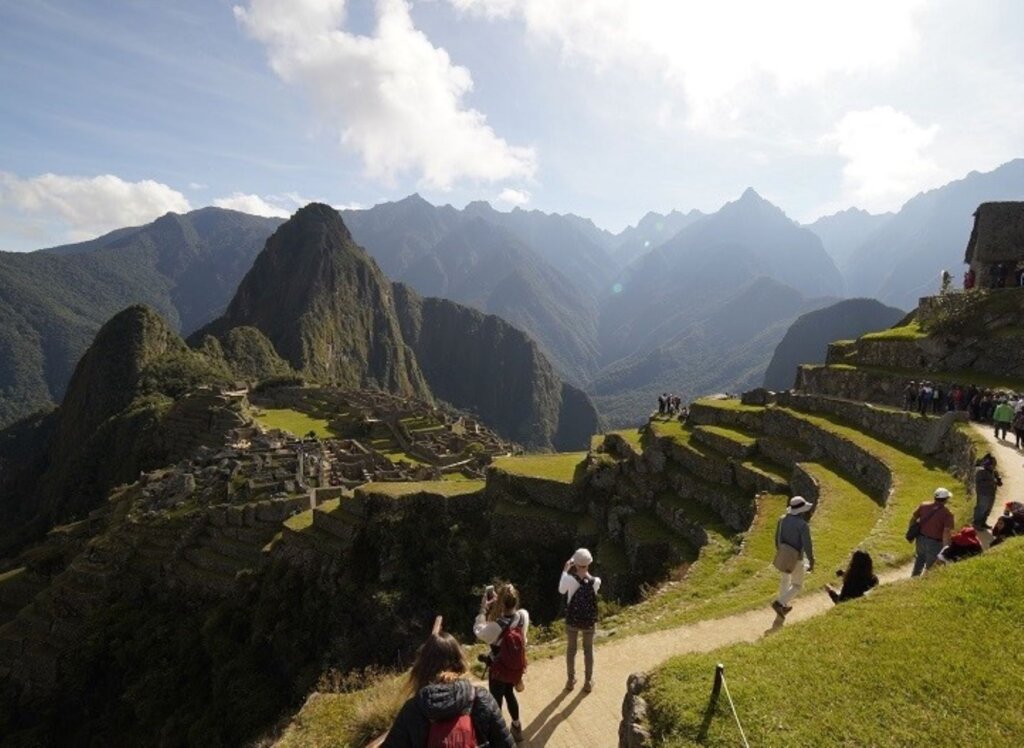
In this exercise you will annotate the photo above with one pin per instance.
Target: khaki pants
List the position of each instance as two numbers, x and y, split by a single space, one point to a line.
588 652
791 584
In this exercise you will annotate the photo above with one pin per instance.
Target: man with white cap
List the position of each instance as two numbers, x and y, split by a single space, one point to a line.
931 526
794 553
581 588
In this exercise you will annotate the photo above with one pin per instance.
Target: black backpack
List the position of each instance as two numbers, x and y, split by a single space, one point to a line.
582 610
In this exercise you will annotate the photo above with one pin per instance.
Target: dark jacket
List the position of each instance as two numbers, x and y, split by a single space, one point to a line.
985 482
854 588
442 701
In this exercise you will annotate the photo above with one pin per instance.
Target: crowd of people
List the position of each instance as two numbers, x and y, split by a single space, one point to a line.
1000 275
671 405
1005 410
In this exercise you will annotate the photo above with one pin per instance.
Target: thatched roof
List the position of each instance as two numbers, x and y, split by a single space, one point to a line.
998 234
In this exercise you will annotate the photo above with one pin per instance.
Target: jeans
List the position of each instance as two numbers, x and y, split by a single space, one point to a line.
1001 428
927 551
791 584
982 509
588 652
499 691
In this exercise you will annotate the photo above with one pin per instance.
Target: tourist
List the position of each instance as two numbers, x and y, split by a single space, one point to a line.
1018 427
858 578
910 396
931 526
969 279
444 703
924 398
1002 415
580 589
661 405
502 624
963 544
1010 524
794 553
986 481
947 281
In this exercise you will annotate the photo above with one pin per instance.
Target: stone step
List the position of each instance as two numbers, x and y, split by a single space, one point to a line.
782 451
245 553
759 475
212 561
732 442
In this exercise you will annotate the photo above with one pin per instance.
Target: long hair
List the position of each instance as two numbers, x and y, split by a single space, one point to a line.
440 659
861 568
505 603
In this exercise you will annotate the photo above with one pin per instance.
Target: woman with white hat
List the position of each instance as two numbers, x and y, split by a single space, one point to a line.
794 553
581 614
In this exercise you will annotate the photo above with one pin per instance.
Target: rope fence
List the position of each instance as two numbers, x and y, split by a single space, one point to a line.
716 689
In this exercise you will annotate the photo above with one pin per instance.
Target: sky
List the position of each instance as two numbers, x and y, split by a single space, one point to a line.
113 112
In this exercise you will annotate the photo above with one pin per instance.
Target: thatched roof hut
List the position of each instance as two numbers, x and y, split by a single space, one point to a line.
998 234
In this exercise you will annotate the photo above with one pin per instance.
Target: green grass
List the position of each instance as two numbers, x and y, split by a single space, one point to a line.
557 467
729 403
346 719
301 521
914 481
733 434
446 488
682 435
632 437
912 664
948 377
293 422
910 331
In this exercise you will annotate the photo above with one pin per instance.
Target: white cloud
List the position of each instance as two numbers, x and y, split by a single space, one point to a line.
79 208
515 198
887 157
394 98
197 186
252 204
720 56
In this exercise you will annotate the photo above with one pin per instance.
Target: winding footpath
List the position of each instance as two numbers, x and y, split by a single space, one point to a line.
558 718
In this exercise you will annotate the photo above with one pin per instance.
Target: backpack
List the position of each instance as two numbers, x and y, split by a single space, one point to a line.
582 610
456 732
509 663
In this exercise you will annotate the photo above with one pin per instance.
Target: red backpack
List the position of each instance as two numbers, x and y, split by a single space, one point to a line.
510 663
456 732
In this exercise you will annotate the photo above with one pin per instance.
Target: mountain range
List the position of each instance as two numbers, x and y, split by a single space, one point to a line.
682 302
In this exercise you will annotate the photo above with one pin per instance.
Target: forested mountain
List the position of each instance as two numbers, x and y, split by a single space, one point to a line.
52 303
843 232
807 339
650 232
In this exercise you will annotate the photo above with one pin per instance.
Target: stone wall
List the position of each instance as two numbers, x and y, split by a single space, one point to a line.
633 731
521 489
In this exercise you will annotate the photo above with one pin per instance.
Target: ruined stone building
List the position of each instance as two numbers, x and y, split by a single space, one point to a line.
996 247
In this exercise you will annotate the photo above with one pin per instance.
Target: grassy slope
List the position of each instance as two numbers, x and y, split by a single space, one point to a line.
440 487
922 663
558 467
293 422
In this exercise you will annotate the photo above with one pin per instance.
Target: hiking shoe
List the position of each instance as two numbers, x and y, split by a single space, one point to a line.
570 684
517 732
786 609
588 686
779 608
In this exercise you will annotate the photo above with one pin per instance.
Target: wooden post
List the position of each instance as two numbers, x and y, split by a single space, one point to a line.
717 687
709 711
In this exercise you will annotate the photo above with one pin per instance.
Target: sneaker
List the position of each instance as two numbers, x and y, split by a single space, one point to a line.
779 608
517 732
787 609
588 686
570 684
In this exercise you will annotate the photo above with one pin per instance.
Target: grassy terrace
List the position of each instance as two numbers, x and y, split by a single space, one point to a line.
870 672
910 331
446 488
683 436
560 466
734 434
293 422
949 377
632 437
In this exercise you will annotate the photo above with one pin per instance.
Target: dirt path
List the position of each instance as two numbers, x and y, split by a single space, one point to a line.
573 719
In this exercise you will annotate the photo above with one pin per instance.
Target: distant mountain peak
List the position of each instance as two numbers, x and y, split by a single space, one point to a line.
750 194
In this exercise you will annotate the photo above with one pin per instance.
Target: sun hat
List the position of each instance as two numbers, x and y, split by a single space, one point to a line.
582 557
942 494
799 505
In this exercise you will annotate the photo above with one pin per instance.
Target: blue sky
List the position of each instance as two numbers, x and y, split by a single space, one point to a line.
112 113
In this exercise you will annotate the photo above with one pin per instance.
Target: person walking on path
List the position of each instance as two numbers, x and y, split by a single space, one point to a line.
502 624
444 705
581 589
934 525
794 552
1003 417
986 481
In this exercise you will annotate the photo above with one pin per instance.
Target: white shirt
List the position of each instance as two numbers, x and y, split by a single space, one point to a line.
568 585
489 631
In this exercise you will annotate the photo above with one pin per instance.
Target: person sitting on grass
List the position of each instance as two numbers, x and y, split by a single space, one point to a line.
444 707
1010 524
858 578
963 544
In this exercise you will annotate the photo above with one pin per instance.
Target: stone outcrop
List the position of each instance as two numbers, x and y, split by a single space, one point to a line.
633 731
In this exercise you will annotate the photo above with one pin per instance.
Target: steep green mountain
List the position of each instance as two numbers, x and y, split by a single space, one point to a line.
481 363
843 232
53 302
332 314
650 232
904 258
719 342
112 423
325 306
807 339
